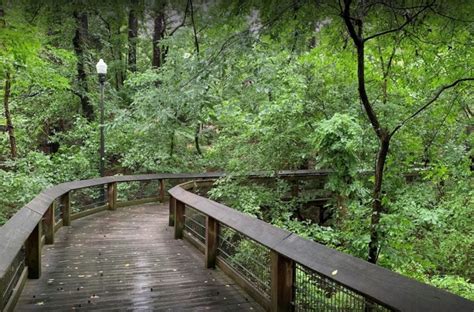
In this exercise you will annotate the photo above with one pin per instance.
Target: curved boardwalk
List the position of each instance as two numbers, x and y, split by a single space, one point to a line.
127 260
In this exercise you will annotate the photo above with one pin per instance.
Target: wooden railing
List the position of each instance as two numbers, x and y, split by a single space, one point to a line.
285 272
35 224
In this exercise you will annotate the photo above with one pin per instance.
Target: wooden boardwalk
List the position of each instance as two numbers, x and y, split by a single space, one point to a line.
127 260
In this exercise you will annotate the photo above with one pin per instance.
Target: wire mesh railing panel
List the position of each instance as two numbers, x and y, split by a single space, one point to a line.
314 292
12 276
135 190
58 210
247 257
88 198
195 224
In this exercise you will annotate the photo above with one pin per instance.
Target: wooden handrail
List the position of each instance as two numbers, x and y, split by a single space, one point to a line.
25 227
373 282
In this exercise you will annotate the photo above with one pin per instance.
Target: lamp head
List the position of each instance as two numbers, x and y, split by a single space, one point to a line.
101 67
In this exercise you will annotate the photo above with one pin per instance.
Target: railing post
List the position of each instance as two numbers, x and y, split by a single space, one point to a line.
295 188
162 191
172 209
49 223
66 208
212 235
112 195
282 275
33 252
178 219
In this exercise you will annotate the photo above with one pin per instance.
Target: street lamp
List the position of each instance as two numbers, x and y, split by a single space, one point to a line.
101 71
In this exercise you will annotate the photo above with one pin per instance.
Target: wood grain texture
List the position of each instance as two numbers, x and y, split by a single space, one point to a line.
15 232
212 234
128 260
383 286
282 274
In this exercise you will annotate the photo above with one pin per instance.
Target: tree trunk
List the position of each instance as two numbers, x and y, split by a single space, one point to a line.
377 207
382 133
158 34
196 139
2 14
79 42
10 128
172 144
132 37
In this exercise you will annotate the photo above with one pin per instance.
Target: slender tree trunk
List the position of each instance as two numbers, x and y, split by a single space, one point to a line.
2 14
158 34
377 207
382 133
10 128
196 139
196 42
79 42
132 37
172 144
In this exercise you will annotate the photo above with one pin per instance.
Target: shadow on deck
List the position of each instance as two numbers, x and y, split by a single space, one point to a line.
128 260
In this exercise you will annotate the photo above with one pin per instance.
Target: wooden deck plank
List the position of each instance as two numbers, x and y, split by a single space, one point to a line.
128 260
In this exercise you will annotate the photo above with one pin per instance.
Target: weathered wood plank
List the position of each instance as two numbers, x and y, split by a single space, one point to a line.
179 219
10 306
66 208
162 191
128 259
212 231
282 274
33 252
376 283
172 207
49 222
112 195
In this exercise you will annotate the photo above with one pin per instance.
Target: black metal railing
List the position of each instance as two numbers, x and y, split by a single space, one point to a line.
285 272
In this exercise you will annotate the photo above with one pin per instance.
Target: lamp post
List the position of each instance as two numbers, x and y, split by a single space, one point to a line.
101 71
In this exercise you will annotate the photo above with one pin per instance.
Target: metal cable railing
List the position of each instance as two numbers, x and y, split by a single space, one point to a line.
285 272
314 292
247 257
195 224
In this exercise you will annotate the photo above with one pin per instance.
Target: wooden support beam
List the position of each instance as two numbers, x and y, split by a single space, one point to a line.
33 252
49 222
172 208
66 208
282 275
162 191
179 219
212 235
112 195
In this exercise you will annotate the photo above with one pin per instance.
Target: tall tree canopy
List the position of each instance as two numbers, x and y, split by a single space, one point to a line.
373 90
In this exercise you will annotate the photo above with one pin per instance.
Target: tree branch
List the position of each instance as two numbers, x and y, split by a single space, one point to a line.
196 42
232 39
428 103
359 43
183 21
346 15
408 20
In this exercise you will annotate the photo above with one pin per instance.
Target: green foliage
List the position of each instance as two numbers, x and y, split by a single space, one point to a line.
273 87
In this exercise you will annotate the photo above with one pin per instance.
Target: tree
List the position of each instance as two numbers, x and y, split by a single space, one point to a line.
159 29
132 36
80 48
6 98
355 26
